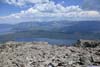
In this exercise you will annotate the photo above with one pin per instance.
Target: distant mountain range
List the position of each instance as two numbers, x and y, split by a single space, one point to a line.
53 26
62 29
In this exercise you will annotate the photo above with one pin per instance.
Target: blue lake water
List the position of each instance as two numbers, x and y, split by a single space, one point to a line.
50 41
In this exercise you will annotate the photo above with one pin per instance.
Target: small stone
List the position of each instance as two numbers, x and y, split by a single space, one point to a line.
50 65
60 64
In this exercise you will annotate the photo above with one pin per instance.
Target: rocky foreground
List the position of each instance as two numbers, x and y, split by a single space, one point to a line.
84 53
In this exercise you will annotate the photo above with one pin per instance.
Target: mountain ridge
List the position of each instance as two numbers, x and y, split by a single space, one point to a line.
61 29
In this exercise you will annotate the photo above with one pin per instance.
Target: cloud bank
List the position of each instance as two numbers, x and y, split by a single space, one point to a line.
45 10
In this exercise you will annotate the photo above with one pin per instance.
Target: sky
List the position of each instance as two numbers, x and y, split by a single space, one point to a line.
16 11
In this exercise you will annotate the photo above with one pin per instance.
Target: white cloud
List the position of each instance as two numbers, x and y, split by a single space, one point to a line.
50 11
90 13
46 7
24 2
15 2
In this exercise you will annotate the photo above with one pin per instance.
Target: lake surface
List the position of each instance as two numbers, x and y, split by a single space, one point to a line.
50 41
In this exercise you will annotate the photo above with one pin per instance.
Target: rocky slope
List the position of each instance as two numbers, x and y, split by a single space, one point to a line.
31 54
